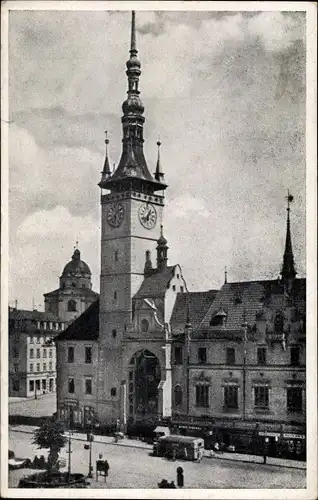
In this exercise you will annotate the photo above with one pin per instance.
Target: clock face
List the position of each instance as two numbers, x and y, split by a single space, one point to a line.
115 215
147 215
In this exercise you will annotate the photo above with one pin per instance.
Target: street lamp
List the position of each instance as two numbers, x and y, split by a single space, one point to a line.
245 327
90 439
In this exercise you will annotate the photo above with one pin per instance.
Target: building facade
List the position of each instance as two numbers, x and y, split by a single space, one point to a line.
32 353
240 376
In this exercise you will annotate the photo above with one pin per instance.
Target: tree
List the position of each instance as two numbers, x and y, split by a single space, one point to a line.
51 435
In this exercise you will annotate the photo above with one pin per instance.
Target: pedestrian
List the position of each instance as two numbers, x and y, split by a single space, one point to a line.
185 451
180 478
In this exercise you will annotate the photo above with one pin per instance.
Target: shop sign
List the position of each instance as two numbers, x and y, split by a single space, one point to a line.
294 436
269 434
192 427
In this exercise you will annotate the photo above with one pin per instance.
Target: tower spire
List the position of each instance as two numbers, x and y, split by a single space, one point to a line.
288 268
159 175
133 50
162 251
106 170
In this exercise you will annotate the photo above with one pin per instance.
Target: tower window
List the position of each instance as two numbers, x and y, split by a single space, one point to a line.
71 385
181 289
174 288
144 325
202 355
178 395
71 306
70 355
88 354
230 356
115 295
113 391
294 356
116 255
114 333
279 323
88 386
261 356
178 355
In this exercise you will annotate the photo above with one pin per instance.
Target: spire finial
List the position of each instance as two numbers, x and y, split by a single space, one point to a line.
106 170
76 245
225 274
159 175
133 34
288 269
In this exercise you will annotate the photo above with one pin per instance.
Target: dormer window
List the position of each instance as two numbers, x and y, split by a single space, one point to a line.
219 319
71 306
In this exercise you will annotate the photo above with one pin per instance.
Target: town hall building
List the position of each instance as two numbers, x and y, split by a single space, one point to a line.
225 363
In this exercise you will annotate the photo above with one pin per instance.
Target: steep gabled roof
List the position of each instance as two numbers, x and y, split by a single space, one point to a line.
156 285
251 297
85 327
199 303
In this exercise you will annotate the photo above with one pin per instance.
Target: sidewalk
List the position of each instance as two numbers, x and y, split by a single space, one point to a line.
134 443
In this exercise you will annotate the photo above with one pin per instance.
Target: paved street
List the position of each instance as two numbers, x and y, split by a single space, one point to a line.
132 467
44 405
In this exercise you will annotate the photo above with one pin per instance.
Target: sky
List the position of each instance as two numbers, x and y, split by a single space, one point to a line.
225 91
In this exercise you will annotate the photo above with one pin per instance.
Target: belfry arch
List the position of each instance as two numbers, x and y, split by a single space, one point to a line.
144 375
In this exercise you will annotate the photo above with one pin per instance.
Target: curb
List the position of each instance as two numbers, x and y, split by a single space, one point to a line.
234 459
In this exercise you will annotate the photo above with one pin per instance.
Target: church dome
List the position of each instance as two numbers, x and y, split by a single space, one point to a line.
76 266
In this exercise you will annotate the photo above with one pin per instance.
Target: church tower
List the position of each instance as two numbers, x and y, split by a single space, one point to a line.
132 202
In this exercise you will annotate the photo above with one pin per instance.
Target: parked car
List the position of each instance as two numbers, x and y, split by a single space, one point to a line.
18 463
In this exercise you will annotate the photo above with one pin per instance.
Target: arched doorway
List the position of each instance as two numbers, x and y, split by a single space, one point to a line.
144 378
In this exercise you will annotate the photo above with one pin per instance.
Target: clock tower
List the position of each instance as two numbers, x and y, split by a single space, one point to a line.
132 202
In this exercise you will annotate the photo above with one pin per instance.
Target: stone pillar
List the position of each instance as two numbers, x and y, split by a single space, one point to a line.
123 406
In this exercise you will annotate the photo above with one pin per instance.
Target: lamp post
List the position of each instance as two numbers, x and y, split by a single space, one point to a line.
90 438
245 326
69 443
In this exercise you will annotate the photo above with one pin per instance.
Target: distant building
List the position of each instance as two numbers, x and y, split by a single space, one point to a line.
32 352
75 293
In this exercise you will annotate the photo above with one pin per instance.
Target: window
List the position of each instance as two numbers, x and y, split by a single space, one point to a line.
261 396
31 385
114 333
294 399
56 326
37 340
116 255
38 367
31 340
38 353
279 323
181 289
178 276
70 355
144 325
230 397
16 368
71 306
178 395
44 367
44 353
230 356
15 352
178 356
294 356
202 395
88 354
37 385
50 366
31 353
174 288
71 385
38 325
261 355
31 367
50 353
113 391
115 295
16 385
50 325
88 386
202 355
